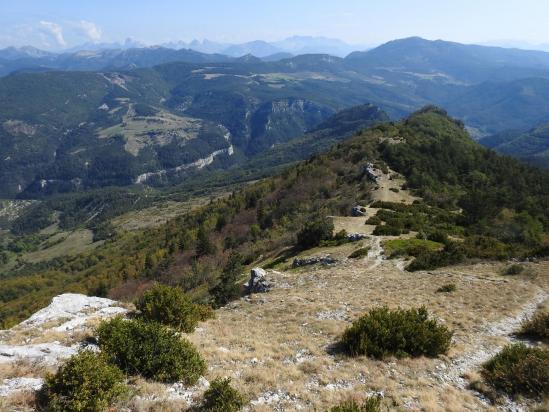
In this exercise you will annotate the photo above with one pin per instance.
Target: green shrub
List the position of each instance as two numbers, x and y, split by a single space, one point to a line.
85 382
536 327
170 306
372 404
340 238
360 253
448 288
401 332
387 230
514 269
315 232
518 369
452 254
150 350
222 397
486 247
436 235
374 220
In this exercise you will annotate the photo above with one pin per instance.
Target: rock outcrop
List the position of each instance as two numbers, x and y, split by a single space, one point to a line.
355 237
313 260
258 282
371 173
358 211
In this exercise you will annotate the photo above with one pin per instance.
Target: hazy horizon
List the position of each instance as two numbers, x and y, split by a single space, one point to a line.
60 24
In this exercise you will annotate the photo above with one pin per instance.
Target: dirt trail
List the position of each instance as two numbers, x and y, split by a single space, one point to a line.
376 253
390 189
485 348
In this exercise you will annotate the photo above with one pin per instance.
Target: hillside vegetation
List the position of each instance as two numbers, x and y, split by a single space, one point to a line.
532 145
476 203
154 116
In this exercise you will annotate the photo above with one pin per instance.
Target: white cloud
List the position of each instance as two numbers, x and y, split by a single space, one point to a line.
91 30
55 30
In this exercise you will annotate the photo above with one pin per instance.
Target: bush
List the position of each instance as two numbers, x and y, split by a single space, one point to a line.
387 230
513 270
518 369
374 220
448 288
359 253
221 397
452 254
383 332
372 404
170 306
85 382
340 238
150 350
437 236
537 327
314 232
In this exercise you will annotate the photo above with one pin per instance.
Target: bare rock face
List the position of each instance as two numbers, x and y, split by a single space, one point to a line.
258 282
50 336
324 260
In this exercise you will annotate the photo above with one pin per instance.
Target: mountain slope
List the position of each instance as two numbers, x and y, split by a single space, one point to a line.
495 206
452 62
532 146
157 125
496 106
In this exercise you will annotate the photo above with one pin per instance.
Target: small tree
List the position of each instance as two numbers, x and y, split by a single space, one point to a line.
228 289
315 232
204 245
84 383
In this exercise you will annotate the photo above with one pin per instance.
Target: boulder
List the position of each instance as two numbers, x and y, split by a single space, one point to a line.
358 211
258 282
371 173
313 260
355 237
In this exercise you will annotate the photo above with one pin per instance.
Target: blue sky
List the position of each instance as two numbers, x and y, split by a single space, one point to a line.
57 24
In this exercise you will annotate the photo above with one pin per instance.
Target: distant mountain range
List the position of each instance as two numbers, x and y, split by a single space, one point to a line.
155 115
94 54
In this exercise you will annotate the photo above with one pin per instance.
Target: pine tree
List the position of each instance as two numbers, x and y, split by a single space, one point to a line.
228 289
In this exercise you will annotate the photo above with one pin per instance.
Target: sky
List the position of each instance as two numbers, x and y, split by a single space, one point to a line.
60 24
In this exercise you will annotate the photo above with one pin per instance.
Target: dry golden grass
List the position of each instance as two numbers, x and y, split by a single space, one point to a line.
23 401
159 214
23 368
280 341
